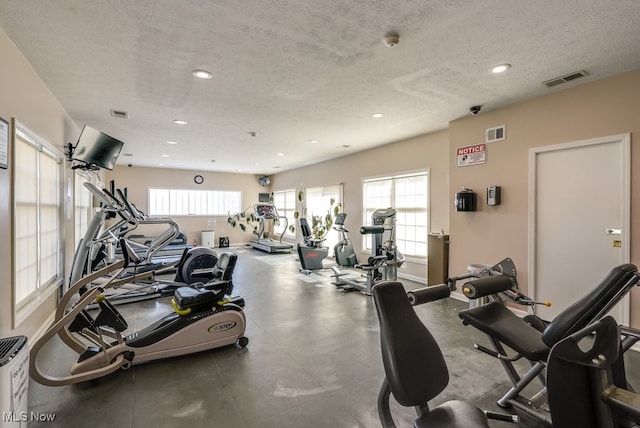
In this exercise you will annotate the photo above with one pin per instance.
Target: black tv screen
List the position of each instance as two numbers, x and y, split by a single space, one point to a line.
264 197
96 148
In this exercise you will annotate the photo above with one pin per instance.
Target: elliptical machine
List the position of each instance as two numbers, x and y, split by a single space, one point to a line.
343 250
202 319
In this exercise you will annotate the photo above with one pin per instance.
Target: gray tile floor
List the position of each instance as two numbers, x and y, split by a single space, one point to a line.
313 360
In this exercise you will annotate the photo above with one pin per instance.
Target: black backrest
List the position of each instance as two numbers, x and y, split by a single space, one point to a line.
574 398
594 305
413 363
305 229
223 270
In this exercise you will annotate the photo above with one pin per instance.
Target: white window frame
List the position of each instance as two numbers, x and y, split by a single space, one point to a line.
198 202
285 203
82 205
385 192
37 270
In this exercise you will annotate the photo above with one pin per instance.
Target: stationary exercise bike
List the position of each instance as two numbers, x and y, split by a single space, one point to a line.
202 319
343 250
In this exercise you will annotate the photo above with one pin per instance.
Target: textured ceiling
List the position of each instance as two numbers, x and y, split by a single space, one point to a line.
294 71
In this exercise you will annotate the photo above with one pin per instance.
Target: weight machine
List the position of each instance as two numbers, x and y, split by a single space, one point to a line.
385 260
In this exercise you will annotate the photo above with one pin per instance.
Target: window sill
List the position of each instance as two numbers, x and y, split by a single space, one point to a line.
22 313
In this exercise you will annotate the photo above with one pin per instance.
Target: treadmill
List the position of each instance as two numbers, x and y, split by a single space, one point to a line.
264 212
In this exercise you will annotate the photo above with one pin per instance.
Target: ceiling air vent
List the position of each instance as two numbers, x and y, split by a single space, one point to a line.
495 134
120 114
564 79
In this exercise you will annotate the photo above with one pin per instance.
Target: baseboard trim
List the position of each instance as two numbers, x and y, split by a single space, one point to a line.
413 278
43 328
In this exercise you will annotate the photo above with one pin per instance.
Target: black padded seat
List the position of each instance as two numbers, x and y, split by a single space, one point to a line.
453 413
414 366
195 298
223 270
500 323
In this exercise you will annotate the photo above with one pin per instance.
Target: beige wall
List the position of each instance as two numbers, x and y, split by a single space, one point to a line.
599 109
602 108
137 180
420 153
25 97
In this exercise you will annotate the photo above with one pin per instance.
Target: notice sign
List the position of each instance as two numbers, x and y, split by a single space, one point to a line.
472 155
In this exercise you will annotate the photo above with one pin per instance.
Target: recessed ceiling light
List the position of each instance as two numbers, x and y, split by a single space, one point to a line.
500 68
276 167
160 164
202 74
377 115
180 122
127 154
280 154
172 142
165 156
344 146
313 141
257 163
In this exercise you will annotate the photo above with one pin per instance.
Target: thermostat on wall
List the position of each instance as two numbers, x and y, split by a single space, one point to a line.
494 195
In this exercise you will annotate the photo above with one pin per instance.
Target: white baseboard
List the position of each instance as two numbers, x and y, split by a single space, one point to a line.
43 328
413 278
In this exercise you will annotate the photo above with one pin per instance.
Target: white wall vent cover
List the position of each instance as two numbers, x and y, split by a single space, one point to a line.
120 114
495 134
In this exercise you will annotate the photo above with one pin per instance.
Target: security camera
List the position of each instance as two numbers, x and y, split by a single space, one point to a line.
129 165
475 109
391 40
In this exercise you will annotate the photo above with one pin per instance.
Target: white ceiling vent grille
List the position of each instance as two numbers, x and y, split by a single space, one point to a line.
120 114
564 79
495 134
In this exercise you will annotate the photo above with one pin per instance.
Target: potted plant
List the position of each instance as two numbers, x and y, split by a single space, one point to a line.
320 224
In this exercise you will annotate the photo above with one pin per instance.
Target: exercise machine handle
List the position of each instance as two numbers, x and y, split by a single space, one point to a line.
428 294
371 230
486 286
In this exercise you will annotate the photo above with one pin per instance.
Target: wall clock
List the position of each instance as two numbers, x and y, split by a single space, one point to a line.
198 179
264 180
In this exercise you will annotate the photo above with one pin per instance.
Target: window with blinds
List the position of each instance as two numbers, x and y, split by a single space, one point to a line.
318 203
81 207
285 202
37 217
183 202
408 194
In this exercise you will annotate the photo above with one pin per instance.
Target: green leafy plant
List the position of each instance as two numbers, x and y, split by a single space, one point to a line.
320 224
244 221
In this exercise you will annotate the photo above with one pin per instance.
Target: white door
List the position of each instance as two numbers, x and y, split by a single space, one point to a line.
579 220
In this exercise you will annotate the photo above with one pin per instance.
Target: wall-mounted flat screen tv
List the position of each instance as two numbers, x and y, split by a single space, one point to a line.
97 149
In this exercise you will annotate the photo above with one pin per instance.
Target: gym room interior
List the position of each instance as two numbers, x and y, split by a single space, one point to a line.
305 97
